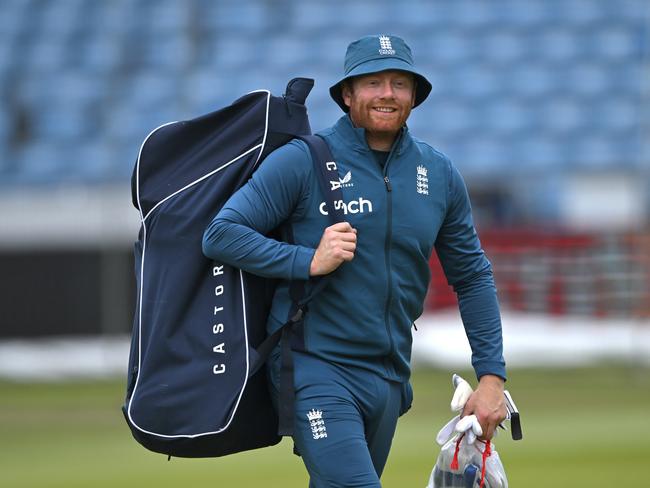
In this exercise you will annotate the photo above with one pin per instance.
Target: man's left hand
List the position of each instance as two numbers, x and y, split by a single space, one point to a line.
488 404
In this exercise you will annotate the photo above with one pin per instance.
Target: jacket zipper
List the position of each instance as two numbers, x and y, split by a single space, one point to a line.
387 247
388 242
389 238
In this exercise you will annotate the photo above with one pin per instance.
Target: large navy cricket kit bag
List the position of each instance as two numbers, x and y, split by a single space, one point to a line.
196 382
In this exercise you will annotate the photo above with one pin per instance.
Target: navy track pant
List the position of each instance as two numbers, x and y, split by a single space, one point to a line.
344 423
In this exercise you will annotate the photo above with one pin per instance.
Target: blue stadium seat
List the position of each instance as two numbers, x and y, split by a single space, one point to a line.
326 55
562 116
288 51
534 80
475 15
627 78
7 59
166 54
450 47
312 19
149 90
62 123
129 126
503 47
558 45
40 162
527 16
581 13
618 42
100 54
540 152
364 16
234 17
93 162
588 80
538 84
11 20
507 116
233 55
42 55
483 154
117 18
477 82
620 115
447 116
77 87
596 151
61 20
5 134
205 90
167 17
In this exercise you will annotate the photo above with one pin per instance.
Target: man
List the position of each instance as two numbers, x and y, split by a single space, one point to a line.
401 199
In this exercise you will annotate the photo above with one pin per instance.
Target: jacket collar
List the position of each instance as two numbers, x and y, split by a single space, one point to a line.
356 136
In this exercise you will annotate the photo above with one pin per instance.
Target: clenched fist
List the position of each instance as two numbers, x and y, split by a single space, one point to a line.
488 404
338 244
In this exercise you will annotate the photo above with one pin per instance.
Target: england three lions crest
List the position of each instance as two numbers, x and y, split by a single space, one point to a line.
422 180
317 424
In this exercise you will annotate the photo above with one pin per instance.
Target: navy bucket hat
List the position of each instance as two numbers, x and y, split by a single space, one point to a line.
372 54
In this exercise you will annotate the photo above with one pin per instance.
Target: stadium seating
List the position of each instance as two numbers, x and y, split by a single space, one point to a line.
553 84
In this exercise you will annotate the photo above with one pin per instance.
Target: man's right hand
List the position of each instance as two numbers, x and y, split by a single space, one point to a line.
338 244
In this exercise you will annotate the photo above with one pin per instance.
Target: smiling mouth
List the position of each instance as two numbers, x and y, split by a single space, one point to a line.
385 110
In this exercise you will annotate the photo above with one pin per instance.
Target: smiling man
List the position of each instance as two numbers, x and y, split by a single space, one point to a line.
402 201
380 103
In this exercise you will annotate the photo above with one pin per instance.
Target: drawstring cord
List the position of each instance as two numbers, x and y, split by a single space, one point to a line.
487 452
454 461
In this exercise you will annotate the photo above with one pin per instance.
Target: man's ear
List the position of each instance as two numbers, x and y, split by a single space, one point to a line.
415 90
346 92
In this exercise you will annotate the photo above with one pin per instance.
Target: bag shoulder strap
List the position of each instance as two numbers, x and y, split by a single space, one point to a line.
326 172
328 176
329 182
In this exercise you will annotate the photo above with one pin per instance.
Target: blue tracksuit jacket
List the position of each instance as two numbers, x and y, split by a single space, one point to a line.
402 211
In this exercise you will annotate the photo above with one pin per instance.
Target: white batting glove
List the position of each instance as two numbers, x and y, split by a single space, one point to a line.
461 456
468 424
461 395
471 427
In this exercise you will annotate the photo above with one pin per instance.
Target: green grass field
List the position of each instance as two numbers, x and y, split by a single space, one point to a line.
582 428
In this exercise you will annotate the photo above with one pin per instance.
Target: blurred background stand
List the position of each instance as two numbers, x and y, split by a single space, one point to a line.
544 106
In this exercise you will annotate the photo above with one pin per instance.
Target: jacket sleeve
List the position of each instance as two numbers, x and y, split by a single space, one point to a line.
236 235
470 273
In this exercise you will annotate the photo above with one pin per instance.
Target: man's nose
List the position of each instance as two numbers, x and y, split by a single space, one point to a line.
387 90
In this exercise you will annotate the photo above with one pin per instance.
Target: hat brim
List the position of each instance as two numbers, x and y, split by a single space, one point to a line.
422 86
